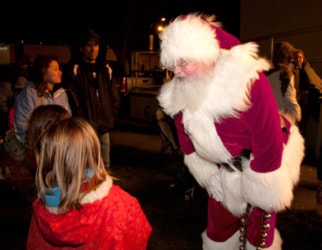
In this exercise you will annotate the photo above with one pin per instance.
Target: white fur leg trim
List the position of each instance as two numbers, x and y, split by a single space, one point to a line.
277 243
231 243
273 191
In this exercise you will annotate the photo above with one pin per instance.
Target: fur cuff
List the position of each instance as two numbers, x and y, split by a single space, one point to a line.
206 174
232 243
273 191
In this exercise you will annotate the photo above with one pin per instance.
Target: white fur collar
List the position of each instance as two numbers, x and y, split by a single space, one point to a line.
92 196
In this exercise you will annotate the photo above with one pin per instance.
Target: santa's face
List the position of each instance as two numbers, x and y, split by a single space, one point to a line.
185 70
191 82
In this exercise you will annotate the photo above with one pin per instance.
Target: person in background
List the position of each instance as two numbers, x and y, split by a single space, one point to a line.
309 88
44 88
19 75
6 100
229 129
40 119
18 86
93 94
21 69
282 80
78 206
310 85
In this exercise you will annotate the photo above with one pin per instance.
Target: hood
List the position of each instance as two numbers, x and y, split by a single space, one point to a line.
71 229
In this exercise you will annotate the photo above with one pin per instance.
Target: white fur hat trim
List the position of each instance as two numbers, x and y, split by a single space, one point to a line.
188 37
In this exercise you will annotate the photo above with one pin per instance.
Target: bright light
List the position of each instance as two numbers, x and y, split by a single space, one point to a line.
160 28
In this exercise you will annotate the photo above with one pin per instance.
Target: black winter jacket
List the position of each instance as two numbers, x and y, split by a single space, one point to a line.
93 95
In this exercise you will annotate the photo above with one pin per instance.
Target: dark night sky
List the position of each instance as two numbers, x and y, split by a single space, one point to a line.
55 23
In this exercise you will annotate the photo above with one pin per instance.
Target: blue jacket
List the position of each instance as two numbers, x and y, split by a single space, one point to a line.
27 100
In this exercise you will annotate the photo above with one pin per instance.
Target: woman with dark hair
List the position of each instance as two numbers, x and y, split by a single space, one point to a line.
41 118
43 89
282 80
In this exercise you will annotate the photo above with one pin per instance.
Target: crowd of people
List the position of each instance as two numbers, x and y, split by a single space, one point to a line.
297 87
228 106
298 90
59 125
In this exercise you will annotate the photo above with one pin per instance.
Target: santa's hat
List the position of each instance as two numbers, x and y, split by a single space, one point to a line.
193 37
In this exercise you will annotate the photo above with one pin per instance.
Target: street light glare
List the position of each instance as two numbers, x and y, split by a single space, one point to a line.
160 28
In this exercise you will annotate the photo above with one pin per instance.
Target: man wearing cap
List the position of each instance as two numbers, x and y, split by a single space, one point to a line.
230 132
92 93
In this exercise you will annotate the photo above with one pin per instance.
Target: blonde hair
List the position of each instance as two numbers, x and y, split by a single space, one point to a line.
69 149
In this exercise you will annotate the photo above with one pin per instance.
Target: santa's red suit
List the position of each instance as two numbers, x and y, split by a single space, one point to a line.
230 110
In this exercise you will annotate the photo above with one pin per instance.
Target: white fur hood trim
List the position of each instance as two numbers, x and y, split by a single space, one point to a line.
92 196
98 193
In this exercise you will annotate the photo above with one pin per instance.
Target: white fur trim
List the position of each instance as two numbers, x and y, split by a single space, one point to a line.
204 137
232 243
226 89
94 195
294 153
273 191
233 199
99 192
190 38
236 69
206 174
222 185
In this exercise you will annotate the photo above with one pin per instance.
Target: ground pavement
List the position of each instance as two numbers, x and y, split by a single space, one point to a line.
176 212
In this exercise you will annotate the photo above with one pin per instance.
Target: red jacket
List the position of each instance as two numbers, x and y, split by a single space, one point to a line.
113 222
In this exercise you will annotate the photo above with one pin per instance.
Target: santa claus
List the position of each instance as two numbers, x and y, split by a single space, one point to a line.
235 143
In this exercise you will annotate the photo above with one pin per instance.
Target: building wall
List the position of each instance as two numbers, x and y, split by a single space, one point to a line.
7 54
296 21
61 52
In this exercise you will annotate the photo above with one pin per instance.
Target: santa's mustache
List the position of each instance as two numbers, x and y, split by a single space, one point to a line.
180 75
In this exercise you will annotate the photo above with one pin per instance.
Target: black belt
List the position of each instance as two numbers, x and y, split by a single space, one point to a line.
237 161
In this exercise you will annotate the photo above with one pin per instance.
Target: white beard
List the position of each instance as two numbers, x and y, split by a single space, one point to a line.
223 91
191 91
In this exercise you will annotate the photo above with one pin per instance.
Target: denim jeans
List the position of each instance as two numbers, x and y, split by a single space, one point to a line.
105 148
